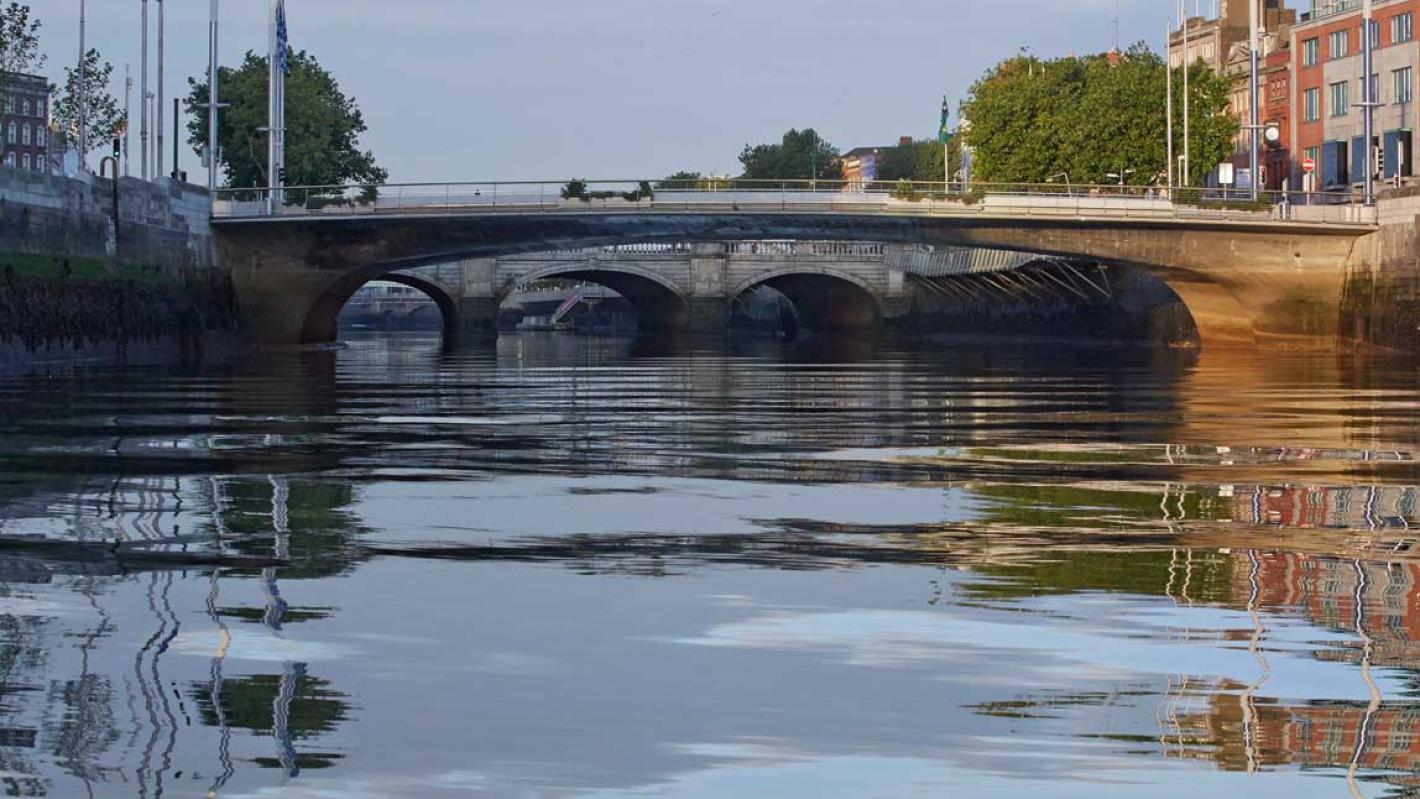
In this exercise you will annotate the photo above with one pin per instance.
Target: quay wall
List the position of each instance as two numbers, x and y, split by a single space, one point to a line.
1381 301
75 286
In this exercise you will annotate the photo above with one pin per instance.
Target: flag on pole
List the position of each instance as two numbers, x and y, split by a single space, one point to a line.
944 133
282 59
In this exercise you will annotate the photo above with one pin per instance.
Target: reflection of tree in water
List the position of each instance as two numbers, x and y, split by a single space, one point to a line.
250 702
323 534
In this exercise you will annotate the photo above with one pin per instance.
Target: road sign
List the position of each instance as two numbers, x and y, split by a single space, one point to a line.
1308 165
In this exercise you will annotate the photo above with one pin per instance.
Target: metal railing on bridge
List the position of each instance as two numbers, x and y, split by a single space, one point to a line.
716 195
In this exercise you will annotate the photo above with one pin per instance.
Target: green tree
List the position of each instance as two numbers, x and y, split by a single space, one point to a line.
917 161
104 119
680 180
799 156
19 47
19 41
576 189
1033 119
323 126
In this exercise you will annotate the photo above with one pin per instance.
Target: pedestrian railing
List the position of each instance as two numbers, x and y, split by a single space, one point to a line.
716 195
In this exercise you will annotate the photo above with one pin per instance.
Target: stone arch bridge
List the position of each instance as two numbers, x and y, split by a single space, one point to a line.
1244 277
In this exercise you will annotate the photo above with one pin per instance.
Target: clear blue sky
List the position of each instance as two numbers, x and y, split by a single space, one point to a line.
546 89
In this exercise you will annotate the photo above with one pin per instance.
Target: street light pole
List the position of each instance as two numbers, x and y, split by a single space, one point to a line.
813 160
1168 42
1254 44
158 109
143 97
83 93
1187 176
1368 125
212 104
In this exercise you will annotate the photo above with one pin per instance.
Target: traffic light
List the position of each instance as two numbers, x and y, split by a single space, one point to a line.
117 147
1378 160
281 176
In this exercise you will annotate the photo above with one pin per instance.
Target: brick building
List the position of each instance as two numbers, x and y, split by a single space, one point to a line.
1326 65
24 122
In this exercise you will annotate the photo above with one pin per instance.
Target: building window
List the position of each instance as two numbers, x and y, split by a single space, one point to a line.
27 107
25 134
10 160
1311 52
25 162
1404 85
1340 98
9 105
12 134
1402 28
1311 105
1375 33
1340 44
1375 89
40 133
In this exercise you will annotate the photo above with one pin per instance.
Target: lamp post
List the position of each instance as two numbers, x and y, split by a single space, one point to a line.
212 104
83 93
813 160
1254 43
143 98
1368 101
1168 46
158 107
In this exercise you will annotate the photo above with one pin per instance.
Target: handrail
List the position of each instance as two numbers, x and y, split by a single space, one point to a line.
736 194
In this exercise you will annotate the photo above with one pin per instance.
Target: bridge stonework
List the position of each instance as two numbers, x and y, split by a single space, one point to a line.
1245 280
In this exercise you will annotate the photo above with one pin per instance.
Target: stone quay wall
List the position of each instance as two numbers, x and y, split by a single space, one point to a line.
75 287
1381 301
162 226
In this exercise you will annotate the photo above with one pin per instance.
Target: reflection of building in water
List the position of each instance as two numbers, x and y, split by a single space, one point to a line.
1377 602
1327 735
1327 507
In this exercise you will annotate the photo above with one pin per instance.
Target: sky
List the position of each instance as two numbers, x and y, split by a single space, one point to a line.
616 89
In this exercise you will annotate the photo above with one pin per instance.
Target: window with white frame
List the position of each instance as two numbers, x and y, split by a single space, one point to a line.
1311 52
12 133
1403 81
1311 105
1340 98
25 162
1340 44
40 135
1402 28
25 134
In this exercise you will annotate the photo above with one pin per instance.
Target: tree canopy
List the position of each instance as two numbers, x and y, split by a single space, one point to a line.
102 114
799 156
323 126
917 161
1030 120
19 40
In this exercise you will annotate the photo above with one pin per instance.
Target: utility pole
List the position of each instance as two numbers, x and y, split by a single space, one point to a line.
212 104
276 110
127 116
1168 62
1254 45
1187 177
143 97
158 106
1369 103
84 95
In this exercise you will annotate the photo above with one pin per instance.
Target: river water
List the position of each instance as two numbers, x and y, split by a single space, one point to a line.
599 568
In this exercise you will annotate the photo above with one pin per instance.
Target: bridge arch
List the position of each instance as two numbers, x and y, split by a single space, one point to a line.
825 299
321 320
658 302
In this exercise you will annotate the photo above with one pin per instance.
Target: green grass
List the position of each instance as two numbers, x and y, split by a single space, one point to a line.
33 264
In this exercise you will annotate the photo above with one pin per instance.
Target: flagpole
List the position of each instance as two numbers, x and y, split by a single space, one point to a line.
275 107
1168 55
158 110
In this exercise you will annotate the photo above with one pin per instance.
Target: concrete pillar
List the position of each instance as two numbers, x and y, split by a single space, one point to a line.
476 321
709 316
